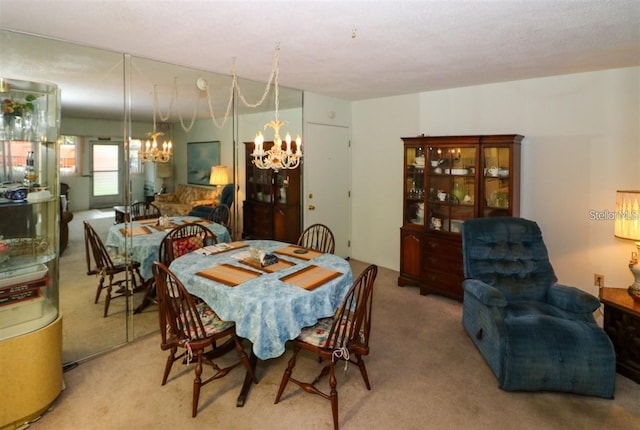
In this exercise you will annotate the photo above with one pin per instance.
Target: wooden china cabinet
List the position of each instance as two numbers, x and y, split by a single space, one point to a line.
272 206
448 179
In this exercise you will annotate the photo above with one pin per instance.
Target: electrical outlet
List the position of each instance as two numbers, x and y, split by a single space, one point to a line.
598 280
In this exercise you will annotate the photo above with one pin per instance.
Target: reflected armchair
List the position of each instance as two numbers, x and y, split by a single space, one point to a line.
535 334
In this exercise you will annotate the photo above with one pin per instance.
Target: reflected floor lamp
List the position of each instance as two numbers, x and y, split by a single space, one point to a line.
627 226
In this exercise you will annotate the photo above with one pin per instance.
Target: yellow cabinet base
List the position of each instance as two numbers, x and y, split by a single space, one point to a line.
31 374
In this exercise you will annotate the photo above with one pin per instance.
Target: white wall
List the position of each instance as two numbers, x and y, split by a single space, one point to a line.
582 143
203 131
377 159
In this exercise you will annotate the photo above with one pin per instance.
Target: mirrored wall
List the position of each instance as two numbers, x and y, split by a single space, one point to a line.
110 99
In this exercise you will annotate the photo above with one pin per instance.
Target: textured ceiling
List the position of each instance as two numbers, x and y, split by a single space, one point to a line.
353 50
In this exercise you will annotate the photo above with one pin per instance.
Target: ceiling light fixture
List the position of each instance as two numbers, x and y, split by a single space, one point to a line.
151 150
277 157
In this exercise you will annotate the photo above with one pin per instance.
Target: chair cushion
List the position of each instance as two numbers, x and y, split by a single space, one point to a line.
185 245
555 354
318 333
210 320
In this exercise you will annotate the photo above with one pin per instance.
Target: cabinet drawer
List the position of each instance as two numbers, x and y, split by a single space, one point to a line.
442 246
440 263
447 284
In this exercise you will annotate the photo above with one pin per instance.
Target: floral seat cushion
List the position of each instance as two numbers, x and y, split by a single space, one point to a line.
185 245
210 320
318 333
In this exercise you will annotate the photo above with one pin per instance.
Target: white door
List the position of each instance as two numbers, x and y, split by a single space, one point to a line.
327 181
106 174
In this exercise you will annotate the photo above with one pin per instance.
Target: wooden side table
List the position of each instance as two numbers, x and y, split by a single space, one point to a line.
622 324
121 213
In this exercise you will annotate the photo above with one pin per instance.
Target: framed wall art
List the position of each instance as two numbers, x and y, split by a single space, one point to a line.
200 157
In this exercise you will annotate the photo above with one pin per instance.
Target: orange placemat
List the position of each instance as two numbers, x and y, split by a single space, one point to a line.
135 230
281 264
298 252
148 221
228 274
219 248
310 277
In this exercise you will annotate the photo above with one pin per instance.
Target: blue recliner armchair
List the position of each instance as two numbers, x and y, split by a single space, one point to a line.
226 198
535 334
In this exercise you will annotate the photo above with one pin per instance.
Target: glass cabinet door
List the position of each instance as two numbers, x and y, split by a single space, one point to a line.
414 194
29 204
496 199
452 187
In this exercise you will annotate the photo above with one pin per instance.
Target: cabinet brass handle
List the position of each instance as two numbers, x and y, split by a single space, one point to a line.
312 207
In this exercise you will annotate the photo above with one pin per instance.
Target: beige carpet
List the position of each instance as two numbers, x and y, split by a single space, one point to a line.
85 331
424 370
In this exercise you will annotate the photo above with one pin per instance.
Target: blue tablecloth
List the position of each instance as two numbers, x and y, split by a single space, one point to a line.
145 247
266 310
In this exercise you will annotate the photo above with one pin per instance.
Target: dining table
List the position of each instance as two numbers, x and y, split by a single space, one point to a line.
269 304
141 239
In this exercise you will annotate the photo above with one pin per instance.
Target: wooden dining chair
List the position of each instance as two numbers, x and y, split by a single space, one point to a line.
92 268
179 241
341 337
143 210
108 268
221 215
183 239
318 237
194 328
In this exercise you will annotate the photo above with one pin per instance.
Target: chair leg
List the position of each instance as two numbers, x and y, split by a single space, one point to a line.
100 287
363 370
167 367
197 382
333 394
107 297
149 289
287 374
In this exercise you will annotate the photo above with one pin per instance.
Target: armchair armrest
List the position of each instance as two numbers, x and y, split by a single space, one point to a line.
203 202
484 293
572 299
168 197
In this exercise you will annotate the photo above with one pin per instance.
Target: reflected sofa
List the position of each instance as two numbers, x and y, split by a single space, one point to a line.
185 198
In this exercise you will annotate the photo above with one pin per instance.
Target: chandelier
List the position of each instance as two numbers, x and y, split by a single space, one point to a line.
278 157
152 151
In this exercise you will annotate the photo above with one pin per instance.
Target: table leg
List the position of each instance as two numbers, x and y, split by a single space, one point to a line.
247 381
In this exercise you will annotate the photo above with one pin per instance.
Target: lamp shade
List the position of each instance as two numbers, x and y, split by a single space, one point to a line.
164 170
219 175
627 225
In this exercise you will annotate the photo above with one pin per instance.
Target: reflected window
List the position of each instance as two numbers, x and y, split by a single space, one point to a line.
68 155
135 165
105 169
14 156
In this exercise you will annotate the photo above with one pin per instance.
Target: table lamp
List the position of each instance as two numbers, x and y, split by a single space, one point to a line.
219 176
627 226
164 171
